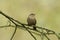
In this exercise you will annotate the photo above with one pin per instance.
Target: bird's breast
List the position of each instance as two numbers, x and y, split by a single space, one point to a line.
31 21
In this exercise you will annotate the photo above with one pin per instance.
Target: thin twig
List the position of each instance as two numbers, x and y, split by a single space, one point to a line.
21 25
30 32
14 33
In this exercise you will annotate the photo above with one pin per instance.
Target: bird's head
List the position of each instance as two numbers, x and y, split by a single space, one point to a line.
32 14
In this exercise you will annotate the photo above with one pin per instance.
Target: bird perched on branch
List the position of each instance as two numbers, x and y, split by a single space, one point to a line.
32 20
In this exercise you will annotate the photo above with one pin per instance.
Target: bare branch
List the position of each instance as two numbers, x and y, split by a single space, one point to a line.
29 29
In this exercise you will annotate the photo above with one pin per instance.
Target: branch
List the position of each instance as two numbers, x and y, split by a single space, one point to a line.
29 29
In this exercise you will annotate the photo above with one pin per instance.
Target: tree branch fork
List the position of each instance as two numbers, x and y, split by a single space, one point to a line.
28 28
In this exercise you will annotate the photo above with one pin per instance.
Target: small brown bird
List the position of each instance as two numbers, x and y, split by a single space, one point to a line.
31 20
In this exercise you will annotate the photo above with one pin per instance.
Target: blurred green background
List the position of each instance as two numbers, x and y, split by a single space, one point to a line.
47 15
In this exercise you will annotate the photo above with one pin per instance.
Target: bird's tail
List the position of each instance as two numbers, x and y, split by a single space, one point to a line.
34 27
